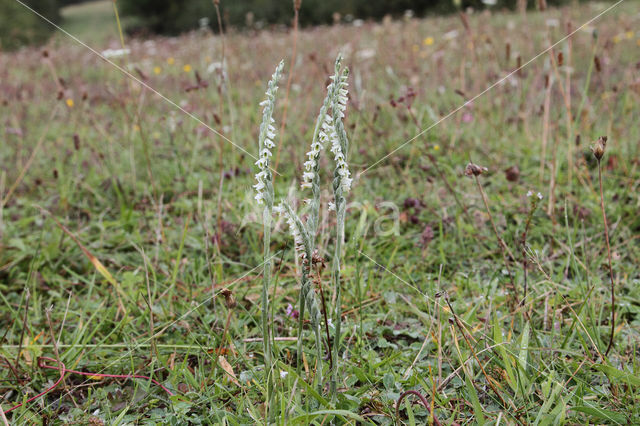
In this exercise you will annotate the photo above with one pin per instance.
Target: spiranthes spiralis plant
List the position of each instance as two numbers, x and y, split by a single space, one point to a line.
264 196
311 179
341 185
329 129
598 151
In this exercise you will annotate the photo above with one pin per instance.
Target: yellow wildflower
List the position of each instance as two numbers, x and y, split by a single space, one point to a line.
186 68
171 61
629 34
69 102
428 41
436 147
157 70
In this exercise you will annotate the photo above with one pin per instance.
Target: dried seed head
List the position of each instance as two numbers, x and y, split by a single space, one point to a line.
474 170
229 299
317 259
512 174
598 147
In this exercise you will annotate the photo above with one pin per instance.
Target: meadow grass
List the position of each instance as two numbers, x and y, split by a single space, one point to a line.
131 242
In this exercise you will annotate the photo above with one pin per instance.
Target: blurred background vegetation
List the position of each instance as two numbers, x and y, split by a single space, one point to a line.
175 16
19 26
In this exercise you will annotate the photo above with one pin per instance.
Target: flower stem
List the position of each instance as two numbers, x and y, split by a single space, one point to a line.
606 236
266 282
336 277
504 249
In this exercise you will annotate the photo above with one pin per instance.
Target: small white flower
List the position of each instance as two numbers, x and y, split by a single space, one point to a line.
552 22
265 153
529 193
115 53
539 195
332 206
283 374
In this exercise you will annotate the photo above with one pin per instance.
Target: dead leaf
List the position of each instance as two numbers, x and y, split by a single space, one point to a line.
228 369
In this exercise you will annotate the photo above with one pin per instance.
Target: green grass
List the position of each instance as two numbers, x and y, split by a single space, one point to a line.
142 193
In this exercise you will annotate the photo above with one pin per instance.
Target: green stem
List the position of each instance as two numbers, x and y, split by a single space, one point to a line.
266 281
613 286
300 325
336 277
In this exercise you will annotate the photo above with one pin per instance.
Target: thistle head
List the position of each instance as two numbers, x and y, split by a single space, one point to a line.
598 147
474 170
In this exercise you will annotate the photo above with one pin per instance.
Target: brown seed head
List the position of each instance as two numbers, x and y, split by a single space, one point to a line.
474 170
229 299
598 147
512 174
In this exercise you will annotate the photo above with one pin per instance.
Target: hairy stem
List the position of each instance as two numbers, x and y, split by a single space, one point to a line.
336 279
266 282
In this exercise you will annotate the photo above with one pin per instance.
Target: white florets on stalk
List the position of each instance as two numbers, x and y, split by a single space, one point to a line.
265 140
318 144
339 106
336 100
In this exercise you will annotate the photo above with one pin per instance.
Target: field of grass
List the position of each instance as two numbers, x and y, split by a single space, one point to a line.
130 241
